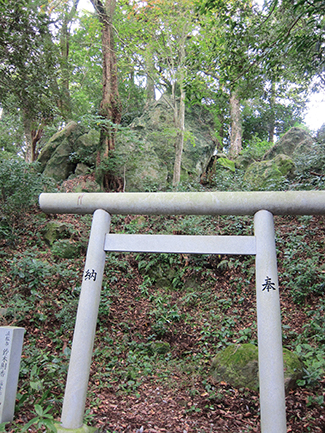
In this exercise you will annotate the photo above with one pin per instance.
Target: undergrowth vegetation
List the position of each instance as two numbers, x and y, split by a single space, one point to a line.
162 318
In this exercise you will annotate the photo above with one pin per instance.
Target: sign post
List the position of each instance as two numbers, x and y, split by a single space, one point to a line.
11 344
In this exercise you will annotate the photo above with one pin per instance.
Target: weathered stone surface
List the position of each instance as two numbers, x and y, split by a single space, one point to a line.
295 141
321 134
11 343
55 230
59 166
144 160
161 275
293 369
263 174
65 249
70 151
237 365
85 148
227 163
150 155
160 347
285 164
55 142
81 169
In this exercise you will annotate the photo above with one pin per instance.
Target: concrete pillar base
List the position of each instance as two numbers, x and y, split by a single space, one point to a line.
83 429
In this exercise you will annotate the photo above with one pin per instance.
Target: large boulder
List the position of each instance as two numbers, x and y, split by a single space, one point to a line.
292 143
237 365
54 142
270 173
70 151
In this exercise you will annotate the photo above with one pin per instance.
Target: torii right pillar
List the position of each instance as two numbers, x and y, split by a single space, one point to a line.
270 354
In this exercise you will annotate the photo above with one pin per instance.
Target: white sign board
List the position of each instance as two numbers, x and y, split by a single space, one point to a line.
11 344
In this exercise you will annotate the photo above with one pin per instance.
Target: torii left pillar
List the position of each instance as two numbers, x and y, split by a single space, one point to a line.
85 328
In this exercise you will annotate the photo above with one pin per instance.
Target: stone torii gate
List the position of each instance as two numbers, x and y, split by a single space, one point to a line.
263 205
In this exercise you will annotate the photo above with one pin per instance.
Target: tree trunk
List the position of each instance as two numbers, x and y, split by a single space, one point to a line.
28 139
272 115
179 118
110 107
179 112
150 84
32 137
65 99
236 126
150 89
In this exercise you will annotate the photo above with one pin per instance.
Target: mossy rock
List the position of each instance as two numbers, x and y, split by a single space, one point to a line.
162 276
285 164
60 166
150 154
55 230
55 141
237 365
293 369
160 347
263 174
227 163
66 249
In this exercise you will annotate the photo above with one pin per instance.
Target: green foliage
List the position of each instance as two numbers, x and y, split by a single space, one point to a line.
11 133
28 62
42 419
20 185
310 346
302 277
309 169
255 149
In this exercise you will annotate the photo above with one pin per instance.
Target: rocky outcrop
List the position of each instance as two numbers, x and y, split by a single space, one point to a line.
144 154
149 152
293 142
69 149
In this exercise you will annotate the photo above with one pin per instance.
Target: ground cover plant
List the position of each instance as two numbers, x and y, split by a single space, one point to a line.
162 319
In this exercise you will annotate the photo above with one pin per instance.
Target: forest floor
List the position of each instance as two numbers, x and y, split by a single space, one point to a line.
198 305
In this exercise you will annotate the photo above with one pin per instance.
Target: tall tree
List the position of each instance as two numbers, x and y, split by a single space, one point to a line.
27 66
110 107
167 32
67 12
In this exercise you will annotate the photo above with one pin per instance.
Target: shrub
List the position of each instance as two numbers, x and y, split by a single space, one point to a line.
20 185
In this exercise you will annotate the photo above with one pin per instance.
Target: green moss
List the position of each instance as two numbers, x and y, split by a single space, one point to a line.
65 249
293 369
238 354
238 365
55 230
227 163
285 164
